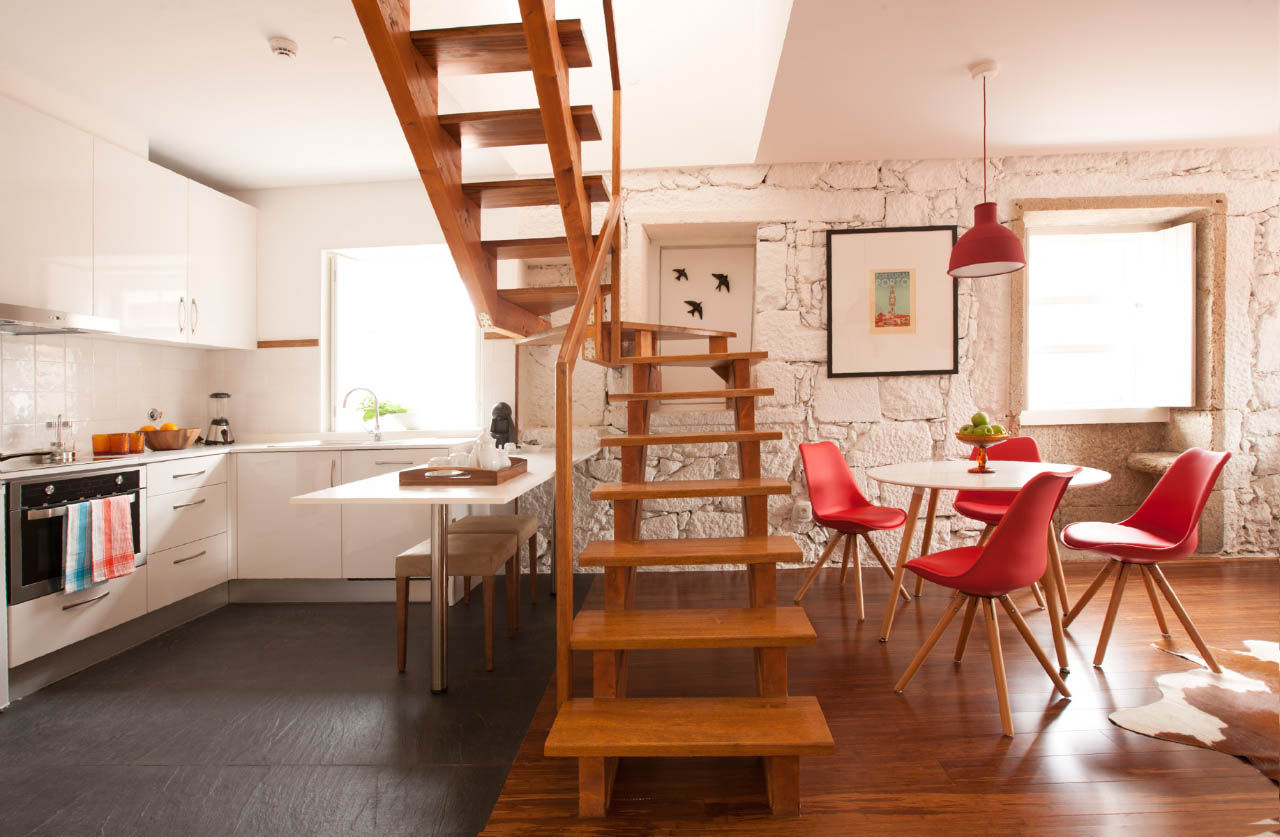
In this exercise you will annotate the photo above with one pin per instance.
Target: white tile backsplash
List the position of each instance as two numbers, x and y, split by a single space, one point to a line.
101 385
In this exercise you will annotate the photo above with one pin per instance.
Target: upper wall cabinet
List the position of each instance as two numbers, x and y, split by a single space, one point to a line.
46 211
222 270
139 245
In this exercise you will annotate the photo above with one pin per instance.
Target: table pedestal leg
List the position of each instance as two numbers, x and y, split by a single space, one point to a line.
439 597
904 552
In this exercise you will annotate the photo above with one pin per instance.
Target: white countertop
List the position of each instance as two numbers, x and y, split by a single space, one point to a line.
19 472
954 475
385 489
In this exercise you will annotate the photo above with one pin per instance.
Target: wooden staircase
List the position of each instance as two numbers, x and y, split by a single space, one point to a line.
597 730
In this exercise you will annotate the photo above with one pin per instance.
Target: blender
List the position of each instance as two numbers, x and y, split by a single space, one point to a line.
219 432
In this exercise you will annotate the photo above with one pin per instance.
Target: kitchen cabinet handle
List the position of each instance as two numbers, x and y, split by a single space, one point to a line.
195 315
333 472
87 601
182 315
191 557
389 462
192 474
189 505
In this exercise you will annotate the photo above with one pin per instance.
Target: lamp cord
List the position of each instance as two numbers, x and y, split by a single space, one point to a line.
984 139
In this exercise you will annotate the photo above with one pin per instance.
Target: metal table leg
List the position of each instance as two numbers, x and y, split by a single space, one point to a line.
439 598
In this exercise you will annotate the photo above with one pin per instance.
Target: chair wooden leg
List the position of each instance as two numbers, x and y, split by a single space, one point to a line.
402 621
1021 625
466 589
513 595
1157 575
486 593
844 564
533 569
1055 564
926 541
986 534
1090 592
1035 591
852 547
997 666
813 573
875 550
953 607
1155 600
1113 607
965 627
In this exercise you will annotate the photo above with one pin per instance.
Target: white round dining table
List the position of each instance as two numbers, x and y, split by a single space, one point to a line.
954 475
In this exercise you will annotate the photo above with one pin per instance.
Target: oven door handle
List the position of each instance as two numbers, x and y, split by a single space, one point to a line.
60 511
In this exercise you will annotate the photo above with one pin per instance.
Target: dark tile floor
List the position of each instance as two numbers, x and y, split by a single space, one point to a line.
279 719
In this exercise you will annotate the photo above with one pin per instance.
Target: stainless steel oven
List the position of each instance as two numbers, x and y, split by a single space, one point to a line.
37 508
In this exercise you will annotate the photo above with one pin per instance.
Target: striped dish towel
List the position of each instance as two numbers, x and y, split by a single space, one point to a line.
77 569
111 534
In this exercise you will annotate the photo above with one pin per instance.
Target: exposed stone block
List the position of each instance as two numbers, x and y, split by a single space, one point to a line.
851 175
843 400
911 397
785 337
892 441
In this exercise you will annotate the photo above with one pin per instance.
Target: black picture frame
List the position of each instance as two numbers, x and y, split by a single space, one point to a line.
955 300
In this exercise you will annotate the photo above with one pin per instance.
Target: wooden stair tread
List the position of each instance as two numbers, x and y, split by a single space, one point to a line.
555 334
676 552
631 440
745 627
554 247
543 300
689 394
712 360
538 191
668 489
499 128
669 331
499 48
720 726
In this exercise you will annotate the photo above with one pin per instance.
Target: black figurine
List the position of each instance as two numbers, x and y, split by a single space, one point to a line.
680 274
695 307
722 281
501 428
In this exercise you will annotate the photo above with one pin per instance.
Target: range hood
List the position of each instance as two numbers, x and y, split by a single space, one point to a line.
19 319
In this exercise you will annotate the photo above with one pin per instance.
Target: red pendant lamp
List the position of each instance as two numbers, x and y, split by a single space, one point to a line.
987 249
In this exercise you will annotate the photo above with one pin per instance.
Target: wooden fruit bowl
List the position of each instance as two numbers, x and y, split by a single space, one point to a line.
178 439
982 441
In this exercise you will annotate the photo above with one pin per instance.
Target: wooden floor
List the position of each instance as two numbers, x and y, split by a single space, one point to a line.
931 760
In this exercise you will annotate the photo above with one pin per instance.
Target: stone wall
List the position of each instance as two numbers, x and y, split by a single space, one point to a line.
881 420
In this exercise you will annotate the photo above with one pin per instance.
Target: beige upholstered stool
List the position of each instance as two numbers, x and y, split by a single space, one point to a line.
523 526
469 555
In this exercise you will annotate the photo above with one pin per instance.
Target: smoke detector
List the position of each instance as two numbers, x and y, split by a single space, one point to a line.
283 47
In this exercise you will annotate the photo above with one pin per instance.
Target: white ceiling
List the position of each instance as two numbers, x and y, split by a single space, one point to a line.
879 79
855 79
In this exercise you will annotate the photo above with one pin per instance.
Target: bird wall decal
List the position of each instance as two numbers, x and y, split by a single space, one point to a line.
722 281
680 274
695 307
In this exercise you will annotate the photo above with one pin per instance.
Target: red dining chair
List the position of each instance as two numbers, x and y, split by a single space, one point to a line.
989 506
840 506
1015 555
1165 527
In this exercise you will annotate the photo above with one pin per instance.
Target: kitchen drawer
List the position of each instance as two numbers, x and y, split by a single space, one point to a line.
185 474
59 619
185 516
185 570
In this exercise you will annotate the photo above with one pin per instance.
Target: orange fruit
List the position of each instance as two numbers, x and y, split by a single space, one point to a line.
146 427
168 425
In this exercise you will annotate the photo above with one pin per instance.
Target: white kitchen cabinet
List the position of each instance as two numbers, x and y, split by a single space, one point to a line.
48 623
139 245
276 539
185 516
46 211
372 536
222 278
174 574
186 473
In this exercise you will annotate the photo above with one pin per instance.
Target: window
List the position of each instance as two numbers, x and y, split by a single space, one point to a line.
1110 329
401 324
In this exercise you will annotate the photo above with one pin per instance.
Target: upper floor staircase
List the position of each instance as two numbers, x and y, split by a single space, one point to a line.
599 729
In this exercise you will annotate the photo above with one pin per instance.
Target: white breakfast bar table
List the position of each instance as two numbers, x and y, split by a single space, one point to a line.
954 475
385 489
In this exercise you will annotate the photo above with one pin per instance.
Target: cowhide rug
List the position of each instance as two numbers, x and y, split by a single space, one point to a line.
1236 712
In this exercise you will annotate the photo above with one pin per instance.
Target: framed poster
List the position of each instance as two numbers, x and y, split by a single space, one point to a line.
891 306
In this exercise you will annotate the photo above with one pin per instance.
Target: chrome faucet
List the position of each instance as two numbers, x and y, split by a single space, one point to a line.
377 410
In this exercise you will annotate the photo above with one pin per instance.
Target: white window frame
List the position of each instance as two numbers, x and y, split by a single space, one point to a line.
1098 415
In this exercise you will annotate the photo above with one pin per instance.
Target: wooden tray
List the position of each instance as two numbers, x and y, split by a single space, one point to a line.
469 476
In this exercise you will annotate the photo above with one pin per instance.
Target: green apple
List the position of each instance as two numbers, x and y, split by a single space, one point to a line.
987 430
997 429
979 419
968 428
